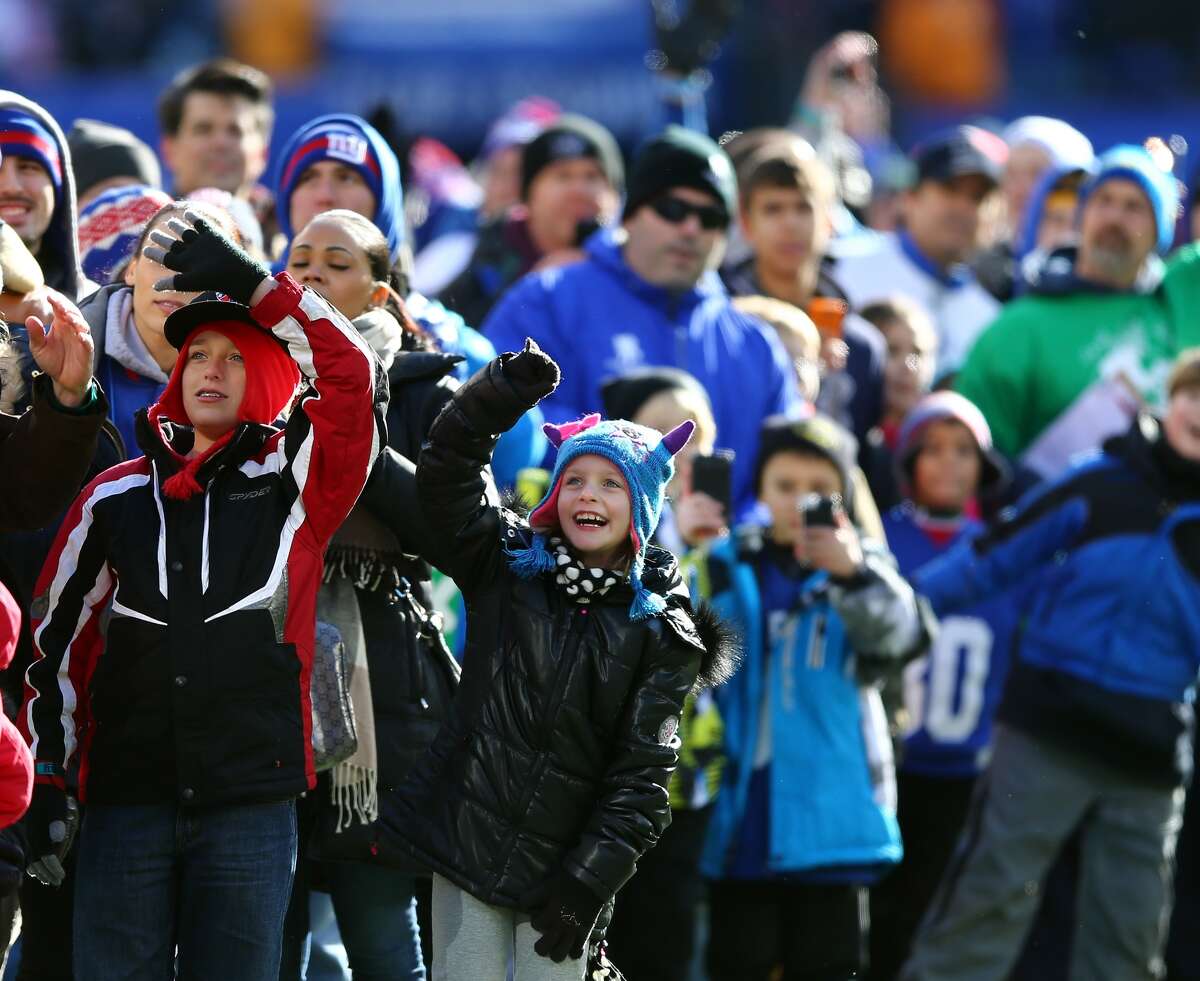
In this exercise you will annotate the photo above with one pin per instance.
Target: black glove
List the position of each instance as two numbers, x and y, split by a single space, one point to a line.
531 372
50 826
12 860
205 259
564 913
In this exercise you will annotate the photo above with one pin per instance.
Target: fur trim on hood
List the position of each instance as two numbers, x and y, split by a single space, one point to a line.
722 647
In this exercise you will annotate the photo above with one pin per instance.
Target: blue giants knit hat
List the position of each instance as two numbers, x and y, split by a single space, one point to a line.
21 135
352 141
1135 164
646 459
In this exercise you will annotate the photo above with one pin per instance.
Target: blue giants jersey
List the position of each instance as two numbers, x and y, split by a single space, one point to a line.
951 695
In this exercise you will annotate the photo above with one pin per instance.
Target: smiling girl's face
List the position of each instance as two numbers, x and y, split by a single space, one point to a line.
594 512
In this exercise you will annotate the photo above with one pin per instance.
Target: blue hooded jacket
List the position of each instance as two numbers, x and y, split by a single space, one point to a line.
599 319
821 807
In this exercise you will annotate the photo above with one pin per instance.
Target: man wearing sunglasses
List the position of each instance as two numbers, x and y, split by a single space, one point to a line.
647 295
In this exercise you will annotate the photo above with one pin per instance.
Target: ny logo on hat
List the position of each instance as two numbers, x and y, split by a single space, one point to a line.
348 147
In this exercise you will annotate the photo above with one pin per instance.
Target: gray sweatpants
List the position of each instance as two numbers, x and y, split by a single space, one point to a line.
1029 802
473 941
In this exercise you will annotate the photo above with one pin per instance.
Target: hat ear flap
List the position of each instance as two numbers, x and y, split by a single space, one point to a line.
678 437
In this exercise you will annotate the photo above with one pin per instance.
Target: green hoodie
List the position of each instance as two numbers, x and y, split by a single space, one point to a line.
1040 354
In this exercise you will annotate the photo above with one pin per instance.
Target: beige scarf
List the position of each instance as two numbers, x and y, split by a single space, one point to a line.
361 556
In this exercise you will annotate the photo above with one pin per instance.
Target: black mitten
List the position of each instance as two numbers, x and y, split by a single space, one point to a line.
50 825
531 372
204 258
564 913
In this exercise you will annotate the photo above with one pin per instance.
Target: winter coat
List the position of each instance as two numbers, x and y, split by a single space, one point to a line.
413 675
890 264
45 452
1047 347
830 777
598 319
16 762
562 736
174 638
523 445
1110 643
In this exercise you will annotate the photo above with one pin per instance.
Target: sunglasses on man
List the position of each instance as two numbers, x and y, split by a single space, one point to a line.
677 211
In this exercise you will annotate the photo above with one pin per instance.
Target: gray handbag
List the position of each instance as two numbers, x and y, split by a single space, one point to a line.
334 737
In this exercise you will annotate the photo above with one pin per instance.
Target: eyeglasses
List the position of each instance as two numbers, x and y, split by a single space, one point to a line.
676 211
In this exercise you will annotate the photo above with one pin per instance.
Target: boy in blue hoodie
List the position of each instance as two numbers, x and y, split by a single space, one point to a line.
1094 732
944 461
805 818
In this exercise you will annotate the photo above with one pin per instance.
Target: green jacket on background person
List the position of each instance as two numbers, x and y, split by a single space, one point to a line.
1051 346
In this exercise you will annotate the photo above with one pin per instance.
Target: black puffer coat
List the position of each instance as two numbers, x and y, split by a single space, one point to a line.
562 736
413 675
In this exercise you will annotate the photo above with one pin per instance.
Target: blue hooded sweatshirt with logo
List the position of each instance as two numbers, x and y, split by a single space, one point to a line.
599 319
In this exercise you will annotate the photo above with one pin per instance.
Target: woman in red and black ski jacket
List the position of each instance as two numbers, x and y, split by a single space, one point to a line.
174 621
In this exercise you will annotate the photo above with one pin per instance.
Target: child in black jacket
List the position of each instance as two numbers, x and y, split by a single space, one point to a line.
549 780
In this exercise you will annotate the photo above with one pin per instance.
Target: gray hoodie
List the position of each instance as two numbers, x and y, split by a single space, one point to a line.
62 271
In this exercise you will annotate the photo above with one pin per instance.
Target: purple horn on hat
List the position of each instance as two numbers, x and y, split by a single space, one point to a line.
558 434
677 438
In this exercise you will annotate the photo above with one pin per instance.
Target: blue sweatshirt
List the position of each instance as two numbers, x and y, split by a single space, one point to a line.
597 318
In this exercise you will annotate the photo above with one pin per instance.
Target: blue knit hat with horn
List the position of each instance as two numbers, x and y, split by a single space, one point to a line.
645 458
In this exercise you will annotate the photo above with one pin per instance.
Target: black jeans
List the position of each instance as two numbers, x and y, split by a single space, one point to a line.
47 926
932 812
652 936
815 932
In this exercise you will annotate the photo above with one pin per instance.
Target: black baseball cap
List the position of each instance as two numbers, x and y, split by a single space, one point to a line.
207 308
958 152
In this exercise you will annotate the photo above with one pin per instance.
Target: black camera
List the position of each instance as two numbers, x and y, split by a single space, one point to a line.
820 511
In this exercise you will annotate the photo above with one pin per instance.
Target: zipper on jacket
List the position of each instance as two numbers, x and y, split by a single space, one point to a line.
579 623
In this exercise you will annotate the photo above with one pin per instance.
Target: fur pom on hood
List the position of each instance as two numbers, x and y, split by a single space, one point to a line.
722 647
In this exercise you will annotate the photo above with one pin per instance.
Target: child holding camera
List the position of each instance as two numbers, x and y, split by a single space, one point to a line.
805 818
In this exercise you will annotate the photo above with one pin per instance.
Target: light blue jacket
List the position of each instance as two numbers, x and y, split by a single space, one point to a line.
832 779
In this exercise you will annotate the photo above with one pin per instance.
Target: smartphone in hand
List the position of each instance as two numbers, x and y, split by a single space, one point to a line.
712 474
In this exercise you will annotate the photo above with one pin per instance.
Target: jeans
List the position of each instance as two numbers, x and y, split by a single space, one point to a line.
796 931
377 917
158 886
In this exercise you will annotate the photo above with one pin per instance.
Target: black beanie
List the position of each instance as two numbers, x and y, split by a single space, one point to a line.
100 152
680 157
625 394
817 434
572 137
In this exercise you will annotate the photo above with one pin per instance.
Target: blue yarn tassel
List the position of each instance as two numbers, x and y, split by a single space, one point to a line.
645 603
527 563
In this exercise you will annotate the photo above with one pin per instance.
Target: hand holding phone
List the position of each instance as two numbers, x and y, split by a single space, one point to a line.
825 537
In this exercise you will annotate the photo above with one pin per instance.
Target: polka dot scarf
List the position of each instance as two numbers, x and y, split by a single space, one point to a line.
580 583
